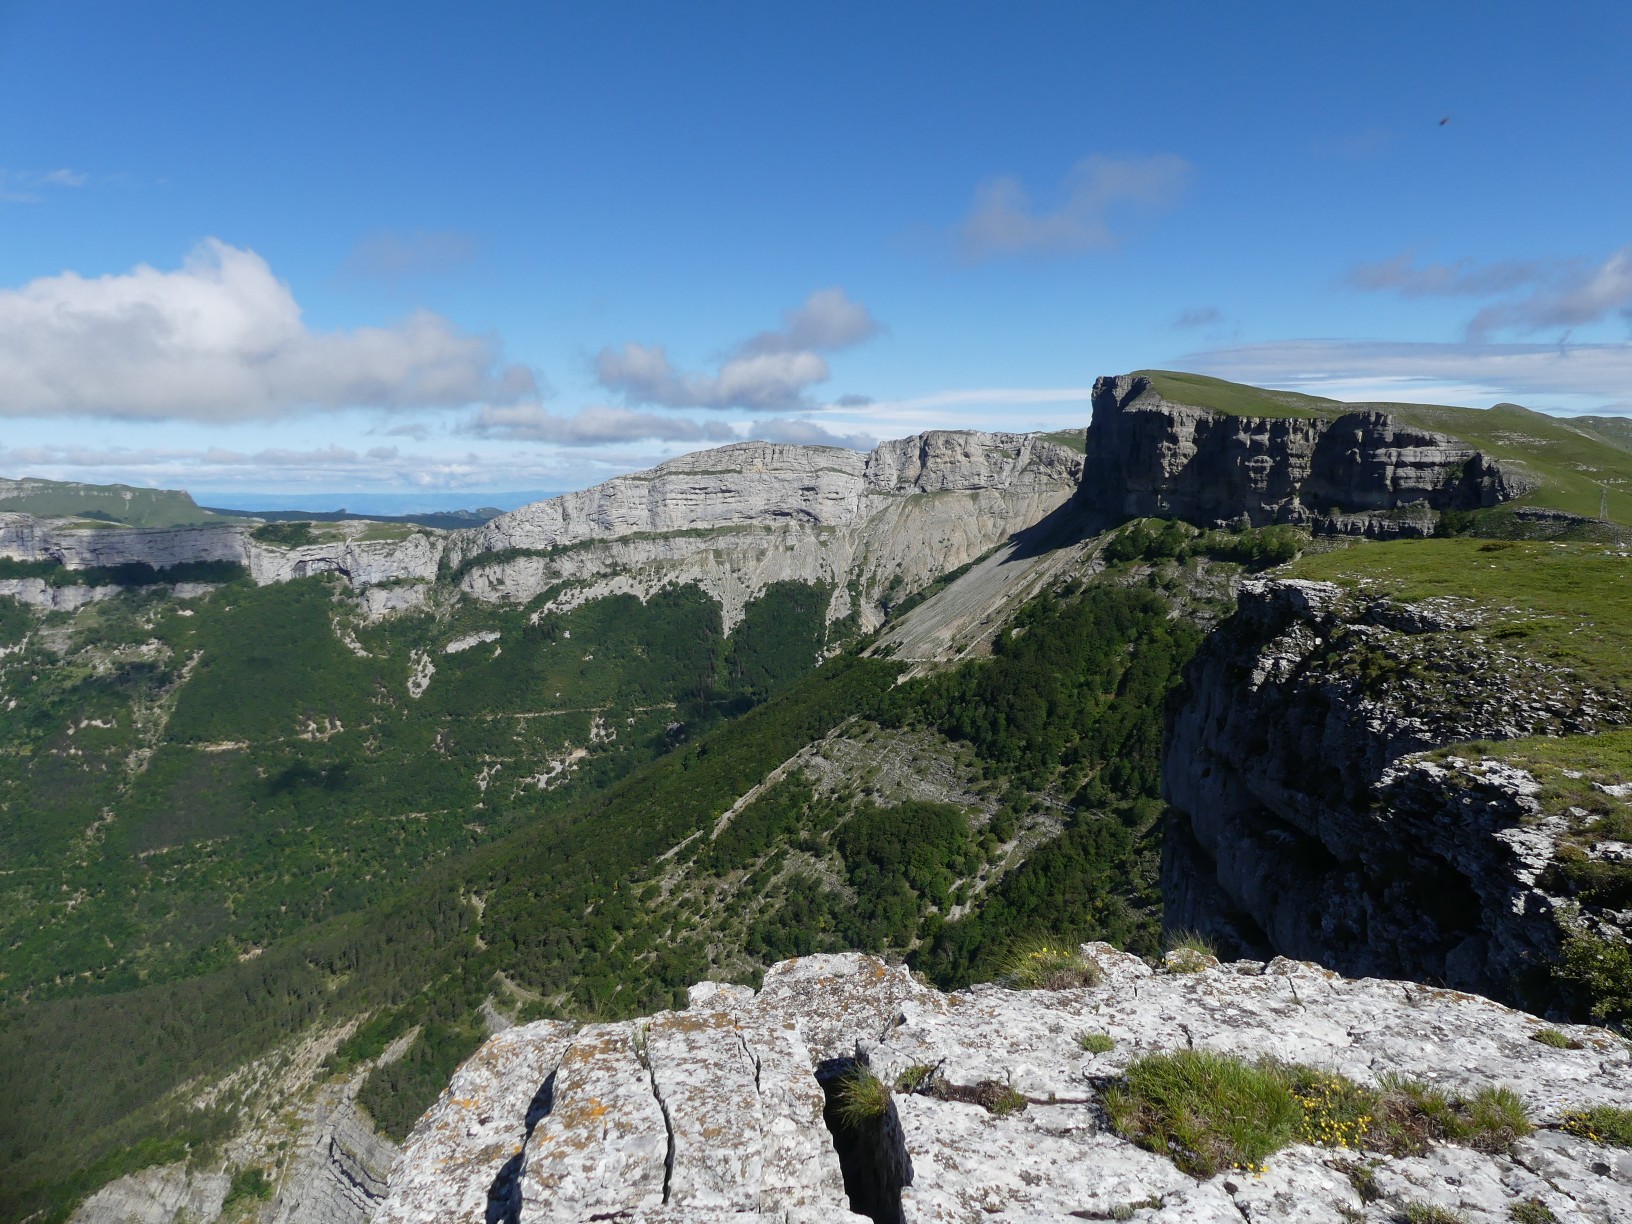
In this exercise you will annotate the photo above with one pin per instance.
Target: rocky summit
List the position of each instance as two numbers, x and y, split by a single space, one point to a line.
728 1109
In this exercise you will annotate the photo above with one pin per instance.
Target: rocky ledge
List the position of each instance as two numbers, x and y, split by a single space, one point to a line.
722 1111
1305 822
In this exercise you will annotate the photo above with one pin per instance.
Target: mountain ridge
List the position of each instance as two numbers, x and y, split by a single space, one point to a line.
989 772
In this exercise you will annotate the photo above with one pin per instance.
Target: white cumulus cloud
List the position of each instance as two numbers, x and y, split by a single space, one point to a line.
770 371
222 339
1003 221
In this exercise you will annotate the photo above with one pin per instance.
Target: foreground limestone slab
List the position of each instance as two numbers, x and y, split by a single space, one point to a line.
717 1112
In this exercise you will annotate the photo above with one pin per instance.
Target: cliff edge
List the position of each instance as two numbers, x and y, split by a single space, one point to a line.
1351 472
728 1110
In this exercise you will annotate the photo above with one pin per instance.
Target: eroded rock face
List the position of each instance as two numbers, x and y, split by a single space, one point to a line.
339 1174
1303 824
715 1113
736 519
159 1195
732 520
1360 473
336 1174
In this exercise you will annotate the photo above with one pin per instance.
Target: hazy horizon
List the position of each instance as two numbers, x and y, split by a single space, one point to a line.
313 249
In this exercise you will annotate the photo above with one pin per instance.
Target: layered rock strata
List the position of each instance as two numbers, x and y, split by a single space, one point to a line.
1303 822
1359 472
733 521
736 519
717 1112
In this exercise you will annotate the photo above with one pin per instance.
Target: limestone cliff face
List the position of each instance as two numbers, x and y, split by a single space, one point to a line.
736 519
328 1164
1360 473
1303 822
732 520
719 1112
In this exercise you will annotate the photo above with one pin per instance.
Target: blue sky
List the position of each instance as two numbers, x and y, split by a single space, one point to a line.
453 249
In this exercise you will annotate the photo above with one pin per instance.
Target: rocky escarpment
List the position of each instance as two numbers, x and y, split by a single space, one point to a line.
1358 472
1304 823
736 519
363 562
322 1158
733 520
719 1112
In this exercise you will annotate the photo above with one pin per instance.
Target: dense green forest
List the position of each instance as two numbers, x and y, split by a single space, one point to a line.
257 862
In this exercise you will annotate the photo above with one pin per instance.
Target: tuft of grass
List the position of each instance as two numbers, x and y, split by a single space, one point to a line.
1494 1119
1531 1211
1207 1111
1411 1116
1190 952
914 1077
862 1097
1552 1037
1047 964
1430 1213
1096 1043
1604 1124
1213 1111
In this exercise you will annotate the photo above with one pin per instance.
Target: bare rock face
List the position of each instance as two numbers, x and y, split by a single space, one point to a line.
1360 473
158 1195
26 538
736 519
339 1174
1305 824
732 520
718 1112
335 1175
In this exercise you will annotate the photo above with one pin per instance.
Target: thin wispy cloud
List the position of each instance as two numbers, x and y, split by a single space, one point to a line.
1579 377
808 433
596 425
1097 193
416 430
31 186
391 257
1404 275
1536 294
773 370
222 339
1202 316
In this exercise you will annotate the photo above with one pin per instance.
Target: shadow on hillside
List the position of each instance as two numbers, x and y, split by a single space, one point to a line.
1069 524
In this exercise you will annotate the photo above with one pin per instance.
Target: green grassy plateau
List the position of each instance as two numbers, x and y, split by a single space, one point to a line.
101 505
1583 464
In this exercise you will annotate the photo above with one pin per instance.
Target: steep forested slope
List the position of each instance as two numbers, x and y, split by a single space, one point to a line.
582 900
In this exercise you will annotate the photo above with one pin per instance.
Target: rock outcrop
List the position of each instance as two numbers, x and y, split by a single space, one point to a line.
736 519
1358 472
718 1112
323 1160
160 1195
733 521
1304 824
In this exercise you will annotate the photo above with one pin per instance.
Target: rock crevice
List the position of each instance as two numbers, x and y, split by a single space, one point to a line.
762 1151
